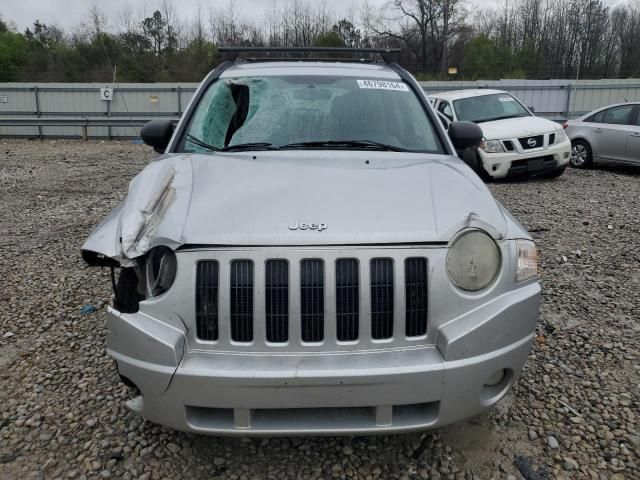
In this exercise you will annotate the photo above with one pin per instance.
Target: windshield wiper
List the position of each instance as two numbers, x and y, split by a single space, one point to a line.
249 146
346 143
202 144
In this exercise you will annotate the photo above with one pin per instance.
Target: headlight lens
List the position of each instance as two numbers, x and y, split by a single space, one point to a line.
473 261
561 136
492 146
527 265
160 270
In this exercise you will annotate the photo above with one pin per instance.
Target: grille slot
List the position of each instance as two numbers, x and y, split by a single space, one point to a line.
415 272
347 299
241 300
312 300
381 298
552 139
207 300
508 144
277 300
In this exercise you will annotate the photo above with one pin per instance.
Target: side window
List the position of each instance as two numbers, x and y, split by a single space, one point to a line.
618 115
596 118
445 109
637 121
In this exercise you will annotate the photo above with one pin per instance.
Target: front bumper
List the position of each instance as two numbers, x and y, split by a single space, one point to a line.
379 391
533 162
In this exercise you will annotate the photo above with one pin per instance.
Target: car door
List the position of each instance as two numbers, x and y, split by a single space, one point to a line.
609 138
633 140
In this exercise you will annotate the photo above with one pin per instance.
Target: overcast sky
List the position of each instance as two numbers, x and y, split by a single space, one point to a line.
69 13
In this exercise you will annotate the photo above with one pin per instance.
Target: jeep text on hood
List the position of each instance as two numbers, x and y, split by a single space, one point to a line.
232 199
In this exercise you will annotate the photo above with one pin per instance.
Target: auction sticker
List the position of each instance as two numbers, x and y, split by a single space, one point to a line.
383 85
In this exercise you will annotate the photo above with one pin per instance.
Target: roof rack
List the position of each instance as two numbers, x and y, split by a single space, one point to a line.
389 55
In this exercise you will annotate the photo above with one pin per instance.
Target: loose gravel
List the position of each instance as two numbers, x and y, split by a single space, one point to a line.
573 414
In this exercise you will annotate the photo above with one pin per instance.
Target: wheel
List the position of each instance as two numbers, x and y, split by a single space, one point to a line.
126 297
472 158
581 155
555 173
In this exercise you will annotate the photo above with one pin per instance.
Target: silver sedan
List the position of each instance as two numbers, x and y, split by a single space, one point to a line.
608 135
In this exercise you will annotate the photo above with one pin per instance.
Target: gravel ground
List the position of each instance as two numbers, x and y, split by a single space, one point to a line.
573 414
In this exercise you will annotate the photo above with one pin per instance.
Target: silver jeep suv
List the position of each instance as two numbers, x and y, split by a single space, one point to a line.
310 256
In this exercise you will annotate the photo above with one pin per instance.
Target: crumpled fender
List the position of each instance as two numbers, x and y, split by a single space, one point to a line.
153 214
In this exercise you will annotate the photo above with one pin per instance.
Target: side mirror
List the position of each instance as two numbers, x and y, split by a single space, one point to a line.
465 135
533 110
157 134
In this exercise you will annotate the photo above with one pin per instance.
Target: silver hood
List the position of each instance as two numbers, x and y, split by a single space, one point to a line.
256 198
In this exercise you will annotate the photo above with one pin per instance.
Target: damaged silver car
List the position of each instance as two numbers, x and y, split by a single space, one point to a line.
310 256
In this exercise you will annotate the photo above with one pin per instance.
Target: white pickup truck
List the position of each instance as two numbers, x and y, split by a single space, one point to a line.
516 142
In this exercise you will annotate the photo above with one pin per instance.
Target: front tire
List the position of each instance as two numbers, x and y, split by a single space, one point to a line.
471 157
556 173
581 154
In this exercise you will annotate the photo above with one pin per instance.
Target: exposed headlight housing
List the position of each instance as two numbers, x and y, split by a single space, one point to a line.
160 270
473 260
492 146
527 260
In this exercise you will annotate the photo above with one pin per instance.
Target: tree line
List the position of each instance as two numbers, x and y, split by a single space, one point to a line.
440 39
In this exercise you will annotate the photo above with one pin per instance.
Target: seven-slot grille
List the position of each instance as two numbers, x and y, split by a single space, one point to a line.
318 302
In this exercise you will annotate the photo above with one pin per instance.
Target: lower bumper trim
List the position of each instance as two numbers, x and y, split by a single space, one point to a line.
329 420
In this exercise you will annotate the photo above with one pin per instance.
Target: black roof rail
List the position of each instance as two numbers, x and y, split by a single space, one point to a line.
389 55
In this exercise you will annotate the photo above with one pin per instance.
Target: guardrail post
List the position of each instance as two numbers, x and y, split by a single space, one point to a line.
37 98
109 116
179 90
85 130
567 109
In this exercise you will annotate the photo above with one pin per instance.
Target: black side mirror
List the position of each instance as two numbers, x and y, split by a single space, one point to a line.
533 110
157 134
465 135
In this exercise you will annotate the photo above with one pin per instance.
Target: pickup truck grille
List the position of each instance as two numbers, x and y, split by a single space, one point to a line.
324 296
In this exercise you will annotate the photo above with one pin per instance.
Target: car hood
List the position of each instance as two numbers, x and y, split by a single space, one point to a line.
257 199
517 127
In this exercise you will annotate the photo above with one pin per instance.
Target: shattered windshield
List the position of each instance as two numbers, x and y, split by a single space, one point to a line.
309 112
486 108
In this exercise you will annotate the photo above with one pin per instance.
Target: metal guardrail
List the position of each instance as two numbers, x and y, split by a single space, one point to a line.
84 122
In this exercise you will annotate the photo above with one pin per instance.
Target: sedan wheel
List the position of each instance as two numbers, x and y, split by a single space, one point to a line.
580 154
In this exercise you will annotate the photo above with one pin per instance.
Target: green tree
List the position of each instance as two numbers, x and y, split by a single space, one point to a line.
480 59
329 39
350 35
14 50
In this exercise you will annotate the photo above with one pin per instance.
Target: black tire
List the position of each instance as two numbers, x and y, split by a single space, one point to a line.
581 154
472 158
555 173
127 298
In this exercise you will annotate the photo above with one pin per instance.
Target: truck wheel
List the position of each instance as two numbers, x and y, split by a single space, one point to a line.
581 154
472 158
127 298
556 173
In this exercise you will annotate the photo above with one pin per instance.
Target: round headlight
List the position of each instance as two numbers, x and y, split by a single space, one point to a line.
473 261
160 270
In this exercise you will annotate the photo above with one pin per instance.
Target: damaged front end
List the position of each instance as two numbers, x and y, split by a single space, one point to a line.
140 235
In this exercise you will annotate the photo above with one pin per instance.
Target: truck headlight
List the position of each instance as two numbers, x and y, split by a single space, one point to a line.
160 270
473 261
561 136
492 146
527 264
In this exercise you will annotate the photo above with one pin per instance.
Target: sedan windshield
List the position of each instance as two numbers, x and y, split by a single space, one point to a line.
309 112
487 108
